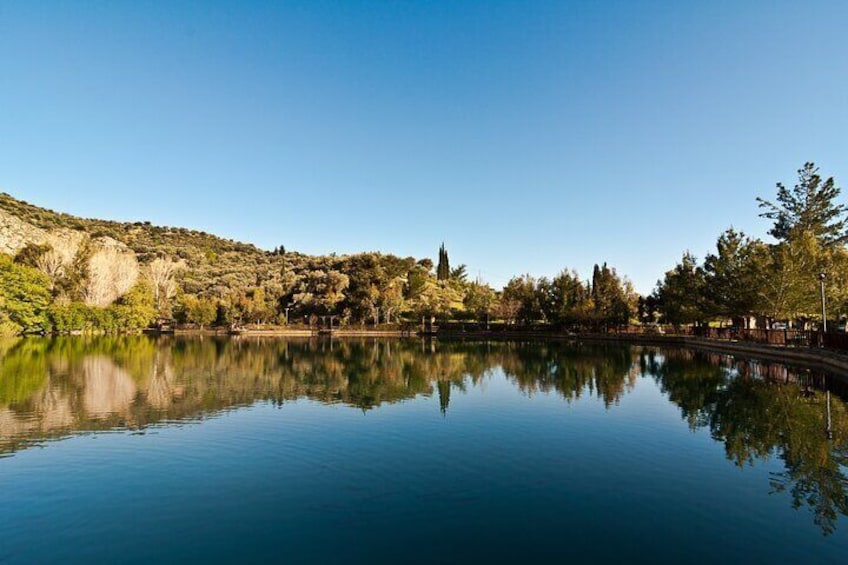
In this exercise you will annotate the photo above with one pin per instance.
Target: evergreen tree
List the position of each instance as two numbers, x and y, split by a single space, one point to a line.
809 207
733 286
680 294
611 297
460 273
443 271
596 282
569 299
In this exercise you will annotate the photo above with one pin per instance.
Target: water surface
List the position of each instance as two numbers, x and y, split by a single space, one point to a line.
137 449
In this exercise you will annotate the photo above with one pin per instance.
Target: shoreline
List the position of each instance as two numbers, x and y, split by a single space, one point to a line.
809 357
821 359
280 332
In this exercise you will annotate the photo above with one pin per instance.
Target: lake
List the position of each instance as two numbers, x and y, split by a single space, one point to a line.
141 449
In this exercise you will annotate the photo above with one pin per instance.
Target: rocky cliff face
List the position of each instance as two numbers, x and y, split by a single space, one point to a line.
112 266
15 234
212 263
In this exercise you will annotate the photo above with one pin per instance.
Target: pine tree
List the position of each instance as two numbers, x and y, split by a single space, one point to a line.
809 207
443 270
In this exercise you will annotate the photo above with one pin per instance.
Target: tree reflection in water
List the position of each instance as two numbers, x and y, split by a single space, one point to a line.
55 387
763 410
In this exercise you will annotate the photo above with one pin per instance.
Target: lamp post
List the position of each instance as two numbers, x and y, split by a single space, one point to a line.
822 277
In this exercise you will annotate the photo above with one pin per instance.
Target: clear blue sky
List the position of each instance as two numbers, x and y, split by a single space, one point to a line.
529 136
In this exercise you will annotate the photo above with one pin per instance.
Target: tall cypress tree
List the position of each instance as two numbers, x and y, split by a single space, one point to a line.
596 282
443 270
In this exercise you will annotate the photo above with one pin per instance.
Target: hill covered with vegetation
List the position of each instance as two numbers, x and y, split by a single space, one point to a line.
61 273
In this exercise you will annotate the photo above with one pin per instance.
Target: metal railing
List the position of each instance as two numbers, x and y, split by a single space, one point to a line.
785 337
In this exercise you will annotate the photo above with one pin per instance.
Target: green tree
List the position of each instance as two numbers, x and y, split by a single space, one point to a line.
810 206
415 282
479 300
136 309
70 317
443 272
790 281
733 285
570 299
24 298
200 310
523 291
506 307
367 277
613 299
392 301
437 299
460 273
319 291
680 294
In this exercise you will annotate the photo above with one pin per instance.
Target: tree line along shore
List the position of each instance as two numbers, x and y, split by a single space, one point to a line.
63 274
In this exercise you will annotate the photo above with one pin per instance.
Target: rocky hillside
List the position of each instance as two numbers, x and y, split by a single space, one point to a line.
209 260
193 276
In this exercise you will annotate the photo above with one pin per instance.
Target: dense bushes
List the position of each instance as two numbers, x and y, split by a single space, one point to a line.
24 297
132 311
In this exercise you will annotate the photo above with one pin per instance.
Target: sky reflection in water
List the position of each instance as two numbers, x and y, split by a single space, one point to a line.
246 448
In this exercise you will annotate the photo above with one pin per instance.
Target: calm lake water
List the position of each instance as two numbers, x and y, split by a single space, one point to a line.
138 449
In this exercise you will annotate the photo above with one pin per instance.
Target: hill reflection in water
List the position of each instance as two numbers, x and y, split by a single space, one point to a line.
52 388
